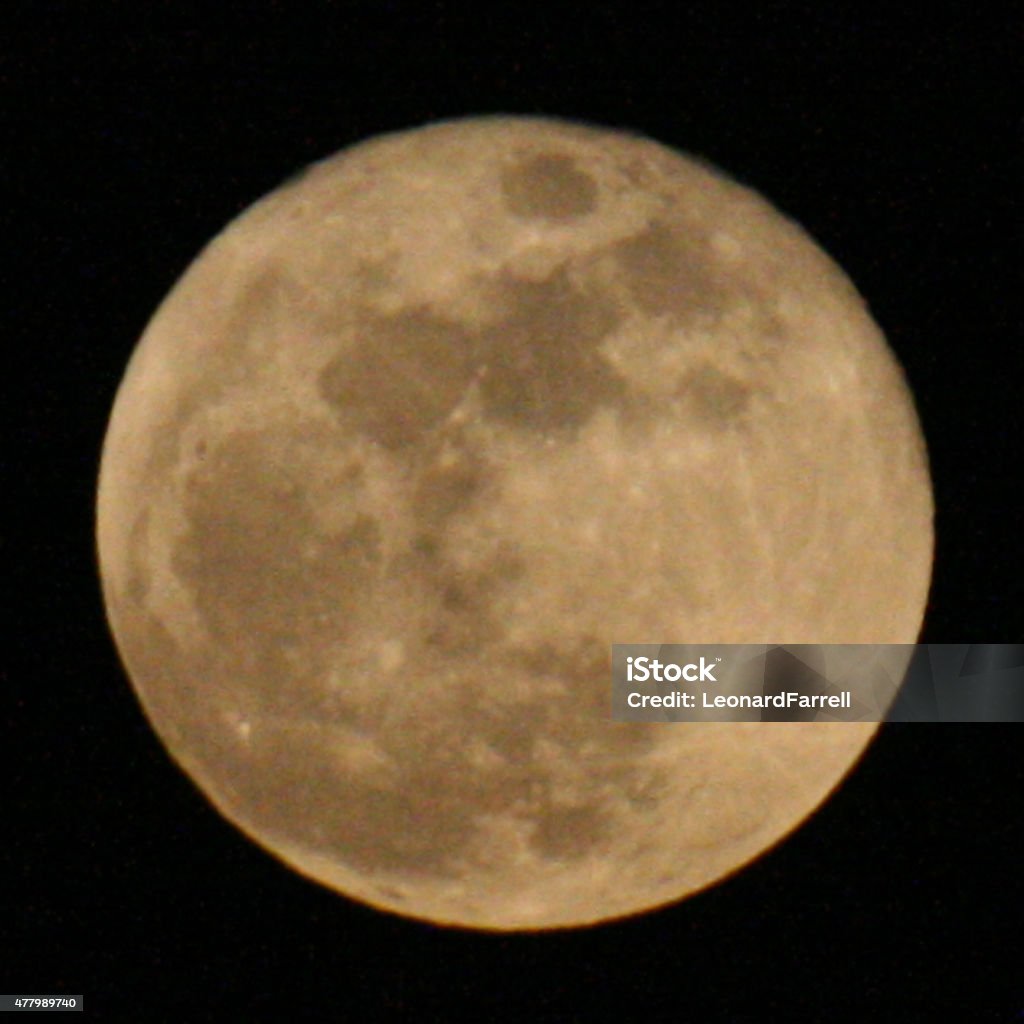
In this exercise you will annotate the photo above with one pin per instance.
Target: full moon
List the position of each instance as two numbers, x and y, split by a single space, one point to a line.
421 434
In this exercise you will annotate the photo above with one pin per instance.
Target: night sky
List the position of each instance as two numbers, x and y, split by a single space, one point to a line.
131 136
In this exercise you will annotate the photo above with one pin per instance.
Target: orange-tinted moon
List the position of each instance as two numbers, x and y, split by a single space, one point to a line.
420 435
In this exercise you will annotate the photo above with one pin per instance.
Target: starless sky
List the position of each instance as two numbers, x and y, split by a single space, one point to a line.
130 141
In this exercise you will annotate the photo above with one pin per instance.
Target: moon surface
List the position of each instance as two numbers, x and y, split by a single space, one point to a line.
421 434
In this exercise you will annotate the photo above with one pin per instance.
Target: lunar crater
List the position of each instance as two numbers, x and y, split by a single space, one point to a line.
550 187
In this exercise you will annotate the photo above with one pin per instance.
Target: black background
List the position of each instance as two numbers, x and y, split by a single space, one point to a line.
131 137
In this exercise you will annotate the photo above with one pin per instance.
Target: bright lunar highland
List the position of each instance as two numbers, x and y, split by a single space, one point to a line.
421 434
